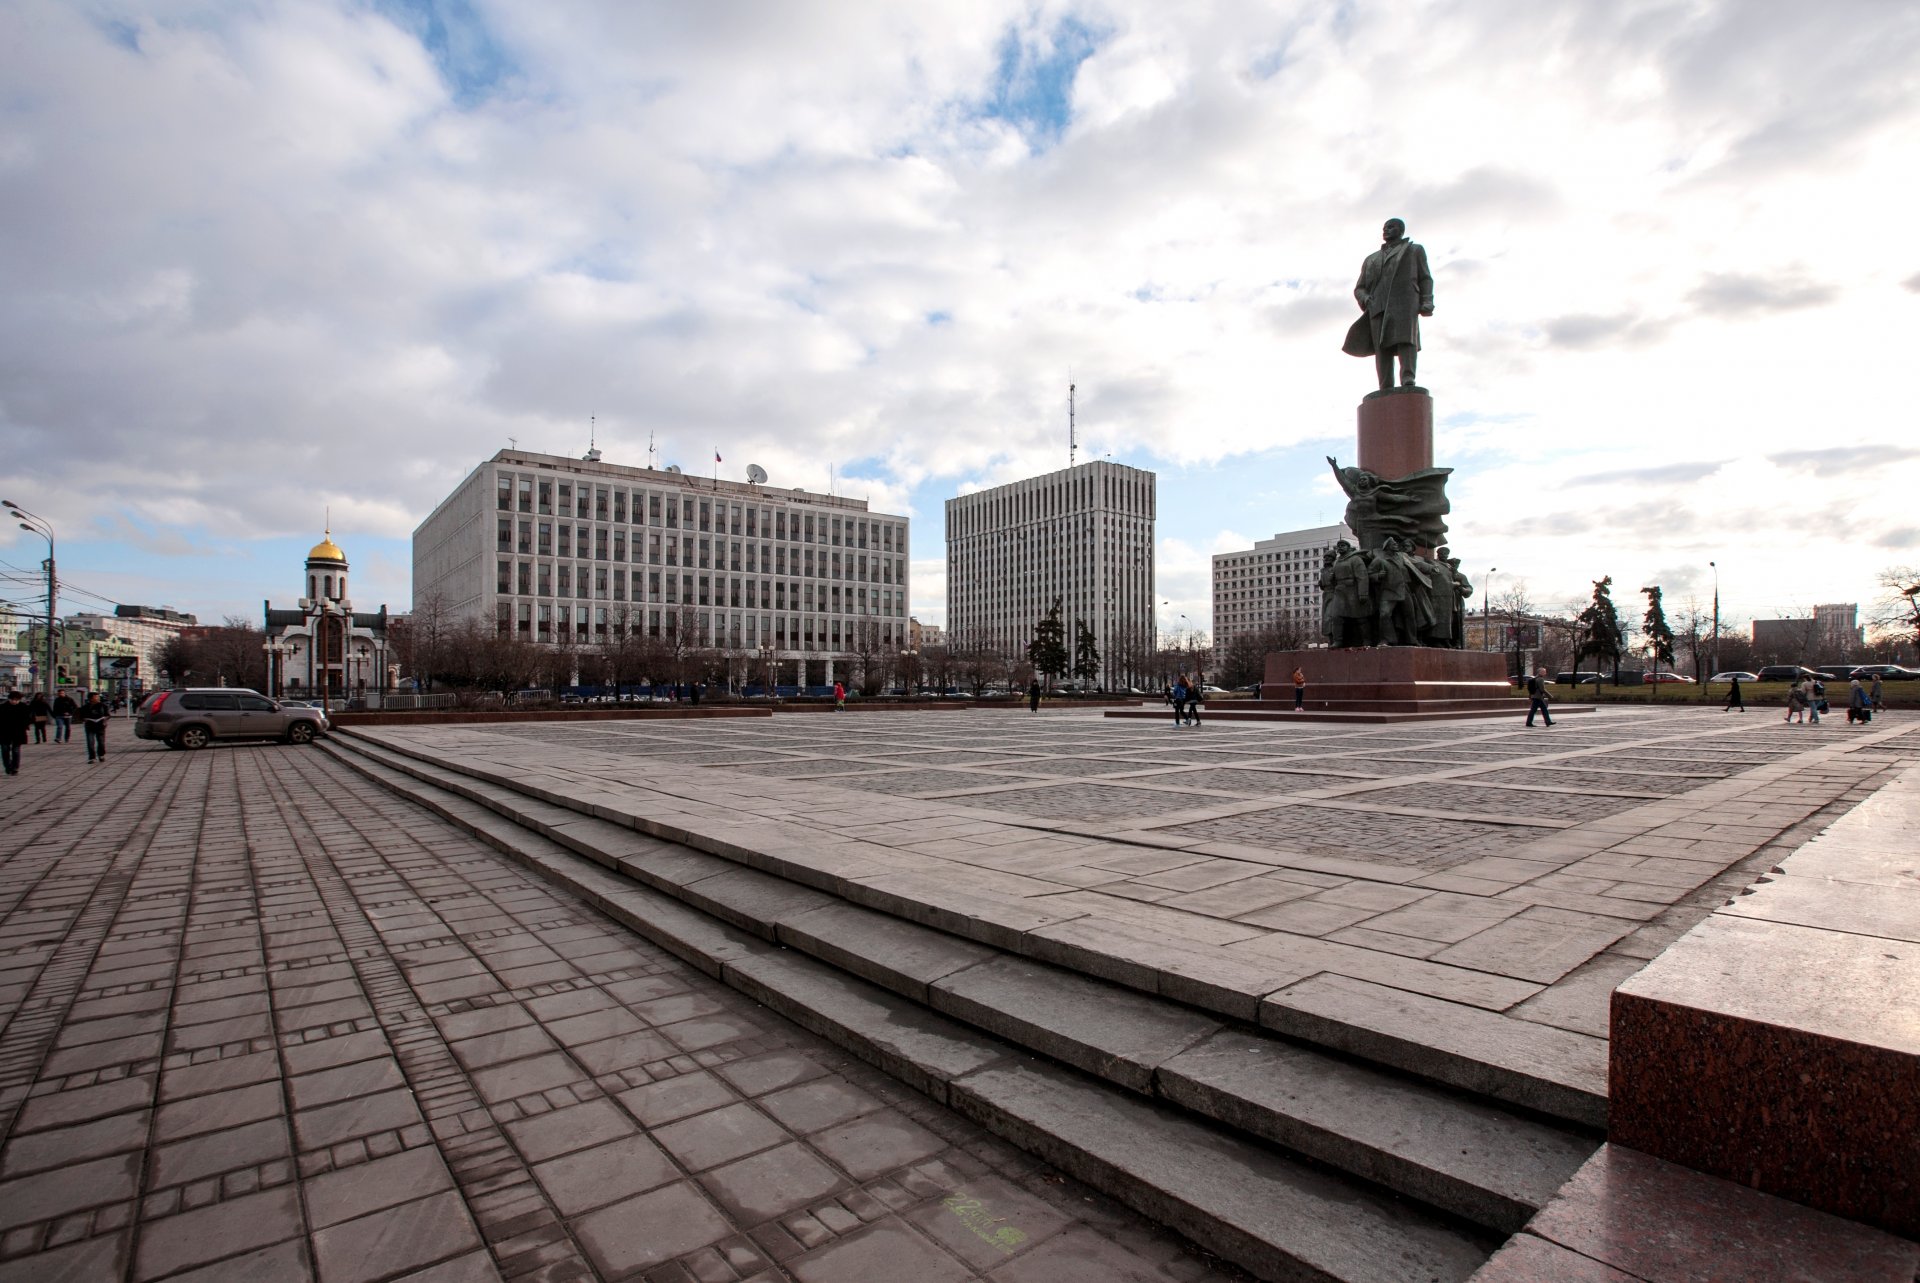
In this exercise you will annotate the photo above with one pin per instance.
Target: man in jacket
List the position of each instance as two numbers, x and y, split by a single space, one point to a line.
1537 696
93 721
15 717
1394 291
63 710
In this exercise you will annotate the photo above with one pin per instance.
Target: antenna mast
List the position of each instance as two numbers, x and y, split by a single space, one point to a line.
1073 432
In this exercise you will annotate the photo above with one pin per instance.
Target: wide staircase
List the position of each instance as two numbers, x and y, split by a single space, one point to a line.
1291 1155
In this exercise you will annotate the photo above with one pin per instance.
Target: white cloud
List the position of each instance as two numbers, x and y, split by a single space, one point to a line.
268 259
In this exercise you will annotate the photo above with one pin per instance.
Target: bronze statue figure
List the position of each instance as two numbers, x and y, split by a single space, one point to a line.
1346 610
1410 508
1394 291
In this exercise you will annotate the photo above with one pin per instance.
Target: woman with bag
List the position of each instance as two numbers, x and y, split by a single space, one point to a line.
42 714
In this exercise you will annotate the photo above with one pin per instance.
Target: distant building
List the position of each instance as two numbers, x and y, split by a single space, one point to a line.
1833 632
564 551
324 644
922 636
1083 537
1276 581
144 628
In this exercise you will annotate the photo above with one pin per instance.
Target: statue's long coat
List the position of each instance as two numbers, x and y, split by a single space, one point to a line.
1394 285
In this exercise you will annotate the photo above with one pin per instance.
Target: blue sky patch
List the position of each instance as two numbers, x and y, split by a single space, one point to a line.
471 62
1033 83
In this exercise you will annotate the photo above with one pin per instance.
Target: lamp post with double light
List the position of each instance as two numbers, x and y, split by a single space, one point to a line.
41 526
1486 616
1713 663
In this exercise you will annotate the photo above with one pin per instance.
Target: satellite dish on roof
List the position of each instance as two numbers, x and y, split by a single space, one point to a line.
674 468
756 474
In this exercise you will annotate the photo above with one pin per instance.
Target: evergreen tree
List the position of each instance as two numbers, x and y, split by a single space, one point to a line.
1659 635
1047 652
1086 655
1599 628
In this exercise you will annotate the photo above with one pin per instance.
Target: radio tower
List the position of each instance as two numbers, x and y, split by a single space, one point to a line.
1073 433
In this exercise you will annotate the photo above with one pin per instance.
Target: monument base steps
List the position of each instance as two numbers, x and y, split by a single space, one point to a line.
1287 1159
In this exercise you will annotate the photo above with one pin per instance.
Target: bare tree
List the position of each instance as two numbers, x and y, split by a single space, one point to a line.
1895 614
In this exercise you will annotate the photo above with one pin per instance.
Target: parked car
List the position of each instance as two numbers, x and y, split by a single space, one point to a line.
1656 678
1786 673
1835 672
1578 679
1886 673
1729 676
196 716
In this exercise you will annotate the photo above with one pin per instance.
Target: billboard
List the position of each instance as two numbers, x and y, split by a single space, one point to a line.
1523 637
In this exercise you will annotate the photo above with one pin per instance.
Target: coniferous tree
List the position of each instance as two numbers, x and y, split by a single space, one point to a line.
1086 654
1659 634
1599 624
1047 652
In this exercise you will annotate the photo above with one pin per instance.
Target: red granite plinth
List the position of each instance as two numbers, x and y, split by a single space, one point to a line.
1396 432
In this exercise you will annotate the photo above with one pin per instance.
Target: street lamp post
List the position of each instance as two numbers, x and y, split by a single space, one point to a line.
1713 663
1486 618
44 528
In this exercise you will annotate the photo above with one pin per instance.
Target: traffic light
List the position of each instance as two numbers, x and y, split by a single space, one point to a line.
62 677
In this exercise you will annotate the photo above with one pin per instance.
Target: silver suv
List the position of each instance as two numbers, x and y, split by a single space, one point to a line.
195 717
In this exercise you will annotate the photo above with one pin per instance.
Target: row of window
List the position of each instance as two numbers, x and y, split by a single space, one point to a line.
584 500
531 579
561 624
545 540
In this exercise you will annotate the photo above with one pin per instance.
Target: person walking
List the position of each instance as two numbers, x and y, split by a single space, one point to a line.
1178 698
63 710
42 714
1816 699
1733 695
1299 690
1859 704
1537 696
93 721
15 717
1194 694
1874 694
1033 695
839 697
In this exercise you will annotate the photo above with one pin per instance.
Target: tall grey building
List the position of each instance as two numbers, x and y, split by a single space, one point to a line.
1083 535
558 550
1275 581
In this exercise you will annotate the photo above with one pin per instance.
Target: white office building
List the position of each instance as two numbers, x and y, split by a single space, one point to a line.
570 551
1083 536
1275 581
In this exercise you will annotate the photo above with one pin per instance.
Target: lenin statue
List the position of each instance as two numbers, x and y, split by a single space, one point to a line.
1394 291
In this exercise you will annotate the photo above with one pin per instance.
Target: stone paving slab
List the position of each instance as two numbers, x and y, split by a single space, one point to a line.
265 1020
1516 912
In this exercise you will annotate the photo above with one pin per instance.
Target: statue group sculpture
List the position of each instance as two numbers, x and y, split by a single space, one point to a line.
1392 596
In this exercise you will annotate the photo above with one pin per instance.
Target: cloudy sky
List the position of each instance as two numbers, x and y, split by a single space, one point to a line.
262 258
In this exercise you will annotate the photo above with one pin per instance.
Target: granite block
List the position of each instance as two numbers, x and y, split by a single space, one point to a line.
1781 1056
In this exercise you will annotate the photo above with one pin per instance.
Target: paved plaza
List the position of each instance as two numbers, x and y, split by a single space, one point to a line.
264 1021
1495 880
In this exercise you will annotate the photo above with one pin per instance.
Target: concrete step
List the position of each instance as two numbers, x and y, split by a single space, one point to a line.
1314 990
1277 1216
1465 1157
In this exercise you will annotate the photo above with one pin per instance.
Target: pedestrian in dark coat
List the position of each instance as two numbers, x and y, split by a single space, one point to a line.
1733 696
15 717
63 710
93 721
42 714
1033 696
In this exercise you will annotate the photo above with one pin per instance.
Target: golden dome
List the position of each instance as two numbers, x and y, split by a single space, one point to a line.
327 550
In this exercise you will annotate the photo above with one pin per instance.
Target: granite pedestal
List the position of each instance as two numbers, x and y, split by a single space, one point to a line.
1776 1043
1396 432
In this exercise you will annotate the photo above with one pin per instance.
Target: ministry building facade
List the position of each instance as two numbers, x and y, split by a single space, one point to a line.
1082 536
1274 583
564 551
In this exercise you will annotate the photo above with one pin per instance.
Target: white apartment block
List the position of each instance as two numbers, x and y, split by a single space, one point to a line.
1277 579
558 550
1083 535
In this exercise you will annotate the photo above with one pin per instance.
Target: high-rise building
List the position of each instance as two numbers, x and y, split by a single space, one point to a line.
1082 536
571 551
1277 581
